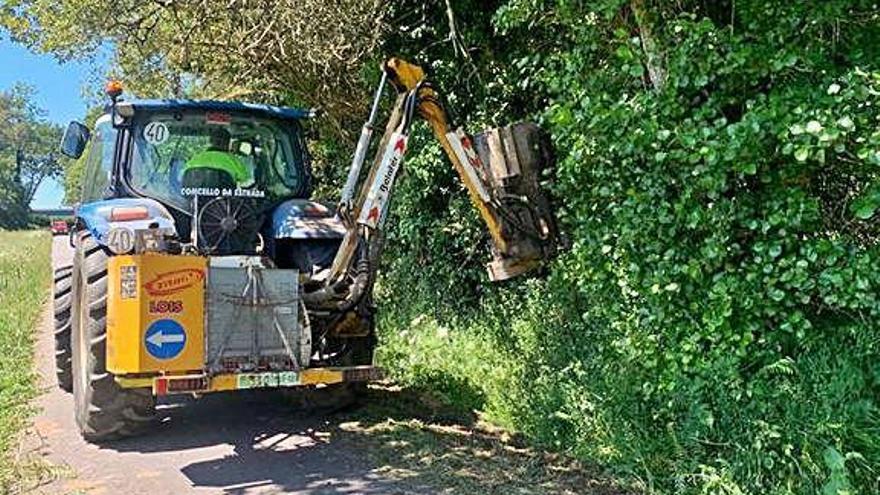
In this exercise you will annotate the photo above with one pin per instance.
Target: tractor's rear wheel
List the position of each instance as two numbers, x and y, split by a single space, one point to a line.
104 410
62 297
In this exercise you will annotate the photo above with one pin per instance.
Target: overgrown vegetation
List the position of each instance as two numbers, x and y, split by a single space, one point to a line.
24 279
713 327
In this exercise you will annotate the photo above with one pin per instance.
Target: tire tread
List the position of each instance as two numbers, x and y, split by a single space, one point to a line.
61 301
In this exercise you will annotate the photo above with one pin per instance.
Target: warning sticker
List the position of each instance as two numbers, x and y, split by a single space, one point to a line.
377 196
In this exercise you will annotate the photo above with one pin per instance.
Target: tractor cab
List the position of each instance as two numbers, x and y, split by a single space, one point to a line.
180 152
217 170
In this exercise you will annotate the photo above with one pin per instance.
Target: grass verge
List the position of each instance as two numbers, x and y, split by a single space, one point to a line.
24 276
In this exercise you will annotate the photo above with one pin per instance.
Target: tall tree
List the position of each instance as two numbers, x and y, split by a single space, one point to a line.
313 53
269 50
27 156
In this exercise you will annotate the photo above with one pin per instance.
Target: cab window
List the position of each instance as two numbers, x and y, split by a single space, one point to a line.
181 155
99 161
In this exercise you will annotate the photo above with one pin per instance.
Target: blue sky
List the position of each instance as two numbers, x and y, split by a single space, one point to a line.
59 91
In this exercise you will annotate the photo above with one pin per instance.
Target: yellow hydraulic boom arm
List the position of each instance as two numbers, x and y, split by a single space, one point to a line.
506 194
407 78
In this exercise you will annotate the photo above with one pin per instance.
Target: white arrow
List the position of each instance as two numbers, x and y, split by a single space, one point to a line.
158 339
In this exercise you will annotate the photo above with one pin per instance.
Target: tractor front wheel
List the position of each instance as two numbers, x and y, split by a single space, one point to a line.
104 410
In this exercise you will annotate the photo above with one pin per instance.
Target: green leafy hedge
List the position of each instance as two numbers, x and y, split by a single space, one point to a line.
713 327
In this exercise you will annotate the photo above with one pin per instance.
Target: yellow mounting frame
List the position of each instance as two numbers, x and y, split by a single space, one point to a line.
200 383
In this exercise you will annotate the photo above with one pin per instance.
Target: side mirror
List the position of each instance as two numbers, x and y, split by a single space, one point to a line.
74 140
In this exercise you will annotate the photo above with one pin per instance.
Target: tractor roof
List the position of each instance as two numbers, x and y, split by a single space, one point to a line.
221 106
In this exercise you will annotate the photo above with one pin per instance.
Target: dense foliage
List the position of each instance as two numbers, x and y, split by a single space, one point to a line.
713 327
307 52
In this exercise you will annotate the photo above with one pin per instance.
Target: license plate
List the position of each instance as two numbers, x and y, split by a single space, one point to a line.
288 379
268 380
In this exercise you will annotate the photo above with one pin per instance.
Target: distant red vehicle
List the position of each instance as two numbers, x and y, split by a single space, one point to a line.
58 227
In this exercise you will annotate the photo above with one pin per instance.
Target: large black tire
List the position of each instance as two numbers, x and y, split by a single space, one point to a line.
62 297
104 410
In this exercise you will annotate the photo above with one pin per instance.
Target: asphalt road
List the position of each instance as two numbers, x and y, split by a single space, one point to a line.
244 444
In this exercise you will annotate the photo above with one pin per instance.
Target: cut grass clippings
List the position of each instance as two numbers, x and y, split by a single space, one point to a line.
413 438
25 271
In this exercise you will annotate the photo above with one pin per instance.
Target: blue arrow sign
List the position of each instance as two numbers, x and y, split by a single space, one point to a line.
165 339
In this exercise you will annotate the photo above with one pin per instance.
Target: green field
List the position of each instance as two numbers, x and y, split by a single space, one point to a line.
24 277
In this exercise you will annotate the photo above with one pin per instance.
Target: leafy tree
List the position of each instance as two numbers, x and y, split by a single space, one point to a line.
314 53
312 50
720 298
27 156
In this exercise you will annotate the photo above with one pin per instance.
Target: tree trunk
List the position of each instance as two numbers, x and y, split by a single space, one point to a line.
653 55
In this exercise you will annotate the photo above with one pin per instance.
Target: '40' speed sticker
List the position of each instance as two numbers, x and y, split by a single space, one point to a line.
156 133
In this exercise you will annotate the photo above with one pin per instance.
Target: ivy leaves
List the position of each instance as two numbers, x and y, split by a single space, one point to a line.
723 224
867 204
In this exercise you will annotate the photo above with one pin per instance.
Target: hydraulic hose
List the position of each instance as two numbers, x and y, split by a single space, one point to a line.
328 297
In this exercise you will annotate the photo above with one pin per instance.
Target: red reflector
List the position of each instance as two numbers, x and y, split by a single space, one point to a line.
187 384
218 118
161 386
128 213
